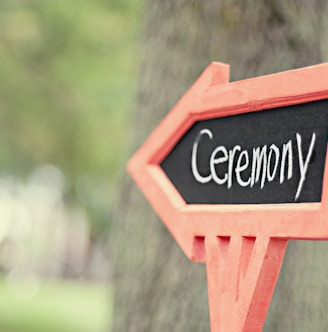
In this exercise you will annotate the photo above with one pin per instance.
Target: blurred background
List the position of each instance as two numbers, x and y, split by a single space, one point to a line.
67 80
68 86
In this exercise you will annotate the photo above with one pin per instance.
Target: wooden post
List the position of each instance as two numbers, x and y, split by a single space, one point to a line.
241 275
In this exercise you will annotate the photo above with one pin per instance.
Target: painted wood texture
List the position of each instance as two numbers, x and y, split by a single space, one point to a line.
211 97
243 245
241 277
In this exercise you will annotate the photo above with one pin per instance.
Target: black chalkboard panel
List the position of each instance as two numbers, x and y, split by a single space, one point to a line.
266 157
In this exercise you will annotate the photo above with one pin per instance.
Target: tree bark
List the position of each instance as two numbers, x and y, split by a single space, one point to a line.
156 287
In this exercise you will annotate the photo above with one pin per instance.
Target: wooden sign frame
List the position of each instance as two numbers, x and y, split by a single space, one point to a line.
209 97
248 240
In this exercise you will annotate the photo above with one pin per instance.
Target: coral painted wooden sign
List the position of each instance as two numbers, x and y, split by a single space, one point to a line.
234 171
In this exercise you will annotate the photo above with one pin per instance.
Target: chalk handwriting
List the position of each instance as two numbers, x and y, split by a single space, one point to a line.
263 165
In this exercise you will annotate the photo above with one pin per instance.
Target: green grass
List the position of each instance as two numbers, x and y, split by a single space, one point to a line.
56 307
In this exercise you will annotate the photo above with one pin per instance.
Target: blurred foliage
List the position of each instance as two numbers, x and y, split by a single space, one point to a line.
66 69
66 86
55 308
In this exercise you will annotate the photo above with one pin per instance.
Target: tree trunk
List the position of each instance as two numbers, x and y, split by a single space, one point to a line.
156 287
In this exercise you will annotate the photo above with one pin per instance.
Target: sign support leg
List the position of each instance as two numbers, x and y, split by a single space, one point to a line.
241 275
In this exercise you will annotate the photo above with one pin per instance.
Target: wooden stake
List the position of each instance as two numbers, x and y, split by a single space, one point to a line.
241 275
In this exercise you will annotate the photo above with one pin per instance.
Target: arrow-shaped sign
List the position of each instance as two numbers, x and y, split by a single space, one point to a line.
234 171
